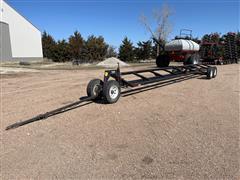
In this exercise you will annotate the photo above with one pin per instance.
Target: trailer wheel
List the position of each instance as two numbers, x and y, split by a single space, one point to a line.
210 73
219 62
214 72
94 88
192 59
111 91
163 60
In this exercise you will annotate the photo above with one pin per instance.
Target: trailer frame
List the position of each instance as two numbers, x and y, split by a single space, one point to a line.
116 78
173 72
99 89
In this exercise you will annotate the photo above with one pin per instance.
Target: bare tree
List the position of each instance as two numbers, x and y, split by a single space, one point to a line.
163 26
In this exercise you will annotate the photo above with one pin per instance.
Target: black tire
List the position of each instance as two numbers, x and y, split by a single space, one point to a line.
94 88
186 60
163 60
111 91
219 62
214 72
192 59
210 73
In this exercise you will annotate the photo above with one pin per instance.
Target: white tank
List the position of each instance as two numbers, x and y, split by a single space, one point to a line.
182 45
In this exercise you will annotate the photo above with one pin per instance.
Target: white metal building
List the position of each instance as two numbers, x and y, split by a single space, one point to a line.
20 40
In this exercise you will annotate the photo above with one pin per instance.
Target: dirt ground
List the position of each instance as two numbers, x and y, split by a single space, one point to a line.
187 130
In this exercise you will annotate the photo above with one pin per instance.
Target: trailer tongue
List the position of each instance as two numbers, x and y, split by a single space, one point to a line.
49 114
109 89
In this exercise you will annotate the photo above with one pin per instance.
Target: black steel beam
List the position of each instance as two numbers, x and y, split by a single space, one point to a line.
145 70
157 79
141 76
48 114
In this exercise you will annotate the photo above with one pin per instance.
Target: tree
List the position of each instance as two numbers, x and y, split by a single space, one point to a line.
76 43
163 26
95 49
196 40
61 52
143 51
211 38
238 43
111 52
154 51
126 50
48 45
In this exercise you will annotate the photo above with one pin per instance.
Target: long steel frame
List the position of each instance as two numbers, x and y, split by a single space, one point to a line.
173 72
170 73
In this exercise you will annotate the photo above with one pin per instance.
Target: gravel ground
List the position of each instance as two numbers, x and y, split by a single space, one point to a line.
187 130
10 70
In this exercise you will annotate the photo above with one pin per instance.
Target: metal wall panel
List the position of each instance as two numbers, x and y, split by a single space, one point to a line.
24 37
5 44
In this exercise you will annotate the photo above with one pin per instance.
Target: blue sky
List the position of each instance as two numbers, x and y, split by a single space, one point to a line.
116 19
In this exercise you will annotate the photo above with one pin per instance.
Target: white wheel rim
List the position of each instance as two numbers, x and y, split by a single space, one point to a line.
195 61
95 89
113 92
211 73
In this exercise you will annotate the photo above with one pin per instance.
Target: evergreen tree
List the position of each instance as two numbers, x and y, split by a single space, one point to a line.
154 51
48 45
196 40
61 52
159 46
206 38
76 43
143 51
238 44
126 50
95 49
111 52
